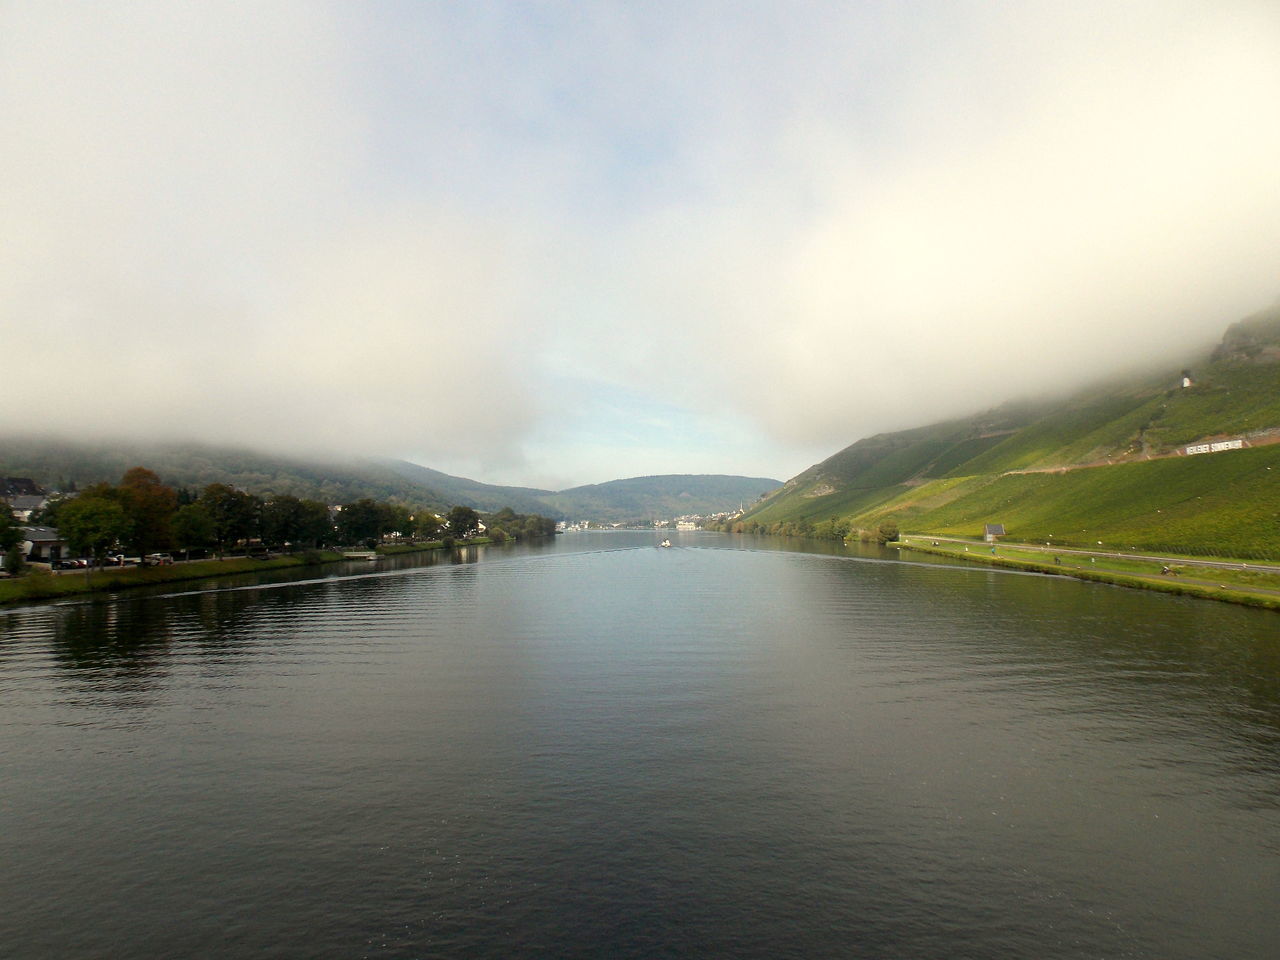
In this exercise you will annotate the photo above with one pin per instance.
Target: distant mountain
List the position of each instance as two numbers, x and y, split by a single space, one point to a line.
1108 463
662 497
59 464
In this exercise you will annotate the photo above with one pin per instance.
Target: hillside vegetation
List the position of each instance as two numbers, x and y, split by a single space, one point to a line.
1105 464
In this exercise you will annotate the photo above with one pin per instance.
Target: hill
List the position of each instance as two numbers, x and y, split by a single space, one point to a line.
661 497
486 497
60 463
1107 463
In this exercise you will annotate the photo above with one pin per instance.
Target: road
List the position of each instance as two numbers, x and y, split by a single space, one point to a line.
1059 551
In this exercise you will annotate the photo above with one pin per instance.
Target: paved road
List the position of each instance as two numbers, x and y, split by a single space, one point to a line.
1180 561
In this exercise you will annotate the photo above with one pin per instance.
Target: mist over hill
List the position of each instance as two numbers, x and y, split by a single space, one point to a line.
1119 459
57 463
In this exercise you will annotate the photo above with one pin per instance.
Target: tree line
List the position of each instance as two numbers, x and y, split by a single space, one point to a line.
145 516
836 528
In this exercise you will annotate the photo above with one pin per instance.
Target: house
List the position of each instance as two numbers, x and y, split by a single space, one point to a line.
43 544
992 530
23 505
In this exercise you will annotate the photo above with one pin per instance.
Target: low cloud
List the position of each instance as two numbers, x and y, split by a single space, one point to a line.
393 229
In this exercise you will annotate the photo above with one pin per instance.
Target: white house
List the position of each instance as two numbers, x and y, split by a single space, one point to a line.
43 544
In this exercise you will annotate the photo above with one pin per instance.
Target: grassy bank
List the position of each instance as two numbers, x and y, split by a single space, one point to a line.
396 549
42 585
1244 586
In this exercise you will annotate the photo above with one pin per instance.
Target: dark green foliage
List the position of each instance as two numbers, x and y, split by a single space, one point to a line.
282 521
14 561
93 523
234 513
149 506
10 535
192 527
463 522
427 525
315 527
506 523
360 522
289 521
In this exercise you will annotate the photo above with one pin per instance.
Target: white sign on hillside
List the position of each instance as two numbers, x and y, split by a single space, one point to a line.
1215 447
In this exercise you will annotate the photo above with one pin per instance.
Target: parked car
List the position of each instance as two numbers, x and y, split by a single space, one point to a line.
159 559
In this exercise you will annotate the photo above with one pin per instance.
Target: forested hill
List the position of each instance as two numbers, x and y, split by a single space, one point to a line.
663 497
60 464
1045 469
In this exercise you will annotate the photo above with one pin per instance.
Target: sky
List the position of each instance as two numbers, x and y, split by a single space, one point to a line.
554 243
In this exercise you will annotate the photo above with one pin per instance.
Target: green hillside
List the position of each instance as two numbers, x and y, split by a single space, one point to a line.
1105 464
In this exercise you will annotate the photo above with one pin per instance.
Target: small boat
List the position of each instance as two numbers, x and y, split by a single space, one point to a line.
665 543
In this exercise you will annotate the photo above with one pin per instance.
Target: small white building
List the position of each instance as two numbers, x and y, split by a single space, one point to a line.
43 544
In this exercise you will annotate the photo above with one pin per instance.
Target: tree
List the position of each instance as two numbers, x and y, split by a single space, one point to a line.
47 516
234 514
150 506
393 518
463 522
360 521
10 533
92 524
14 561
192 527
426 525
282 521
888 531
315 526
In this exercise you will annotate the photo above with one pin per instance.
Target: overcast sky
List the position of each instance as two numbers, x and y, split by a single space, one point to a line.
561 243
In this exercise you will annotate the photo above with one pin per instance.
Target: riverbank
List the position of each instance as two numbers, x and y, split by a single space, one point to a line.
1233 583
42 584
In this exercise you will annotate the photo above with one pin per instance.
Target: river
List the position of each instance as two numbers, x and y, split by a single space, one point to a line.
594 747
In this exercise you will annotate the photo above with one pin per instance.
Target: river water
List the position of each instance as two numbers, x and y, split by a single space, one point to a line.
598 748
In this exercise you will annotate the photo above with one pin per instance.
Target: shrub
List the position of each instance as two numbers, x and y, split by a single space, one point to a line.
14 562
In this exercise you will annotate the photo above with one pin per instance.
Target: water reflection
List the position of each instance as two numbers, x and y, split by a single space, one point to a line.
108 639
